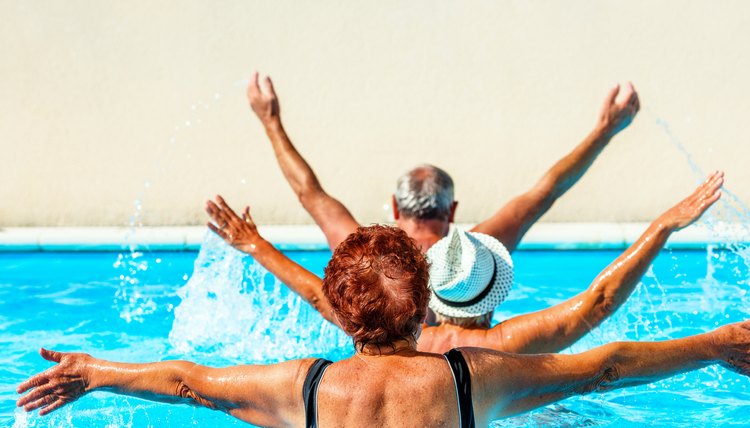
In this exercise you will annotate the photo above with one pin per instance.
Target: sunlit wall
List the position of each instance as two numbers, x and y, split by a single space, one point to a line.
106 107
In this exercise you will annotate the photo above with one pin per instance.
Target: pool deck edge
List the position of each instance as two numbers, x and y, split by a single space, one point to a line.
543 236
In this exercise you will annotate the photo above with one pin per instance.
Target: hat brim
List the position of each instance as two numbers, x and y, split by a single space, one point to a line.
497 294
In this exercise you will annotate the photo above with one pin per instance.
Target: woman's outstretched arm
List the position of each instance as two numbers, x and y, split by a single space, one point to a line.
507 384
261 395
557 327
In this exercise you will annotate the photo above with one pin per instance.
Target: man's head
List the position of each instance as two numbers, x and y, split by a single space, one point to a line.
376 282
424 193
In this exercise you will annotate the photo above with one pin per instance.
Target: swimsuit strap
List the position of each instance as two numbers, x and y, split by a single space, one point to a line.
462 380
310 391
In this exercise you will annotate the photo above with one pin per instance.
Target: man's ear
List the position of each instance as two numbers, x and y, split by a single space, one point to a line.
453 212
396 214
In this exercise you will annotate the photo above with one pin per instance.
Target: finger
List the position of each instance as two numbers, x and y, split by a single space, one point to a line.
246 216
223 211
211 209
45 400
253 89
268 86
50 355
629 97
229 213
52 407
217 231
34 395
33 382
611 96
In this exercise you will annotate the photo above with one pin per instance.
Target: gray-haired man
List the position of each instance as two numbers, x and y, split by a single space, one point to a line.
423 203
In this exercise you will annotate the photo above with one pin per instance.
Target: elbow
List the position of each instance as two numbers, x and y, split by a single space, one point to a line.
186 393
189 374
308 191
605 380
602 306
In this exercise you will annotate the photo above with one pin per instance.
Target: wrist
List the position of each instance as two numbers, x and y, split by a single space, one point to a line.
273 125
665 224
603 132
254 246
92 373
713 346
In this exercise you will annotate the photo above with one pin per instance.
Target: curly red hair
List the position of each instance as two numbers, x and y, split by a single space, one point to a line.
376 282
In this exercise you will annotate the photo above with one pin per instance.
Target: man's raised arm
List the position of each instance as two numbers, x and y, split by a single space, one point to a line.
330 214
514 219
507 384
557 327
242 234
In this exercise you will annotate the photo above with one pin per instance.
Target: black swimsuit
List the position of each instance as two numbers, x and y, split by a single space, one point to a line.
461 378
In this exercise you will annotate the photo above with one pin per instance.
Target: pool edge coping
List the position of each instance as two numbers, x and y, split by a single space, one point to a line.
543 236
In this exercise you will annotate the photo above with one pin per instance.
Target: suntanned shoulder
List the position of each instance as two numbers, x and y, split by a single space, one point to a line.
272 395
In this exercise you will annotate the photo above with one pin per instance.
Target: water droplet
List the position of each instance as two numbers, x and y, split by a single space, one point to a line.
216 96
243 181
187 123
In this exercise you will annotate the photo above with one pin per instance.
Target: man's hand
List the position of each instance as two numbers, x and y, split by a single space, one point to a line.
263 100
240 233
616 116
734 342
57 386
691 208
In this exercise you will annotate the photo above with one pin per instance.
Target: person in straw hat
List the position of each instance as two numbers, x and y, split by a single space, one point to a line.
376 283
471 273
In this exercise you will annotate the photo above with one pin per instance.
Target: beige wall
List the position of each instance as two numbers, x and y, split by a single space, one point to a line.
92 94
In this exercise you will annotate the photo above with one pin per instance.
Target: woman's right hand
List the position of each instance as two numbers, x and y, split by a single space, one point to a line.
58 385
239 232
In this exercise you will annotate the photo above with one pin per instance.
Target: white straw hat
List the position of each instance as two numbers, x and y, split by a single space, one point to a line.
470 274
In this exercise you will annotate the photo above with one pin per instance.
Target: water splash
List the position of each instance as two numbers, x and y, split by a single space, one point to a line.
232 308
131 300
728 220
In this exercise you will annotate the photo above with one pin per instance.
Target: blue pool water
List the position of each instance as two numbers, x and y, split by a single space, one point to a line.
220 308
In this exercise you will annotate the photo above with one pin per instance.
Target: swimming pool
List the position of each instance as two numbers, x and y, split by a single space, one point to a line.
220 308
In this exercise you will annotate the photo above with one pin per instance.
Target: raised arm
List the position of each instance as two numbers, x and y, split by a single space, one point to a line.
261 395
514 219
557 327
330 214
507 384
242 234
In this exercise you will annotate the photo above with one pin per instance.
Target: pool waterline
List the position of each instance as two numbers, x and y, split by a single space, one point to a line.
542 236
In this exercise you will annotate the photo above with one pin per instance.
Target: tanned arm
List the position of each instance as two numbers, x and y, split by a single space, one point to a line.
556 328
507 384
260 395
242 234
330 214
514 219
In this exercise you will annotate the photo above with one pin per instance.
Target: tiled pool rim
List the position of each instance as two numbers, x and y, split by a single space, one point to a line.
543 236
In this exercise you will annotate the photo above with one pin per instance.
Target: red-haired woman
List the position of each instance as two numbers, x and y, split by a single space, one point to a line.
376 283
